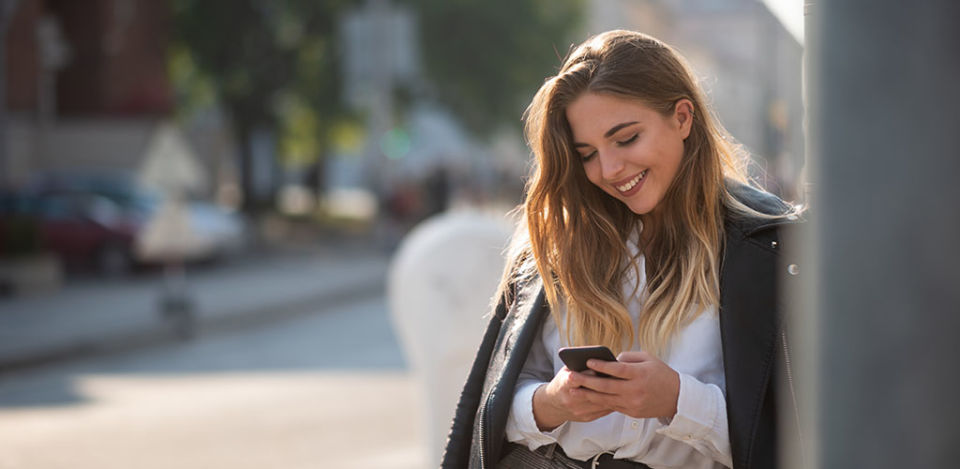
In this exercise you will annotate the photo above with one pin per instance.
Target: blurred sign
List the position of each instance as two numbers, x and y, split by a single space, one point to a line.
380 49
169 235
170 167
263 164
55 51
169 164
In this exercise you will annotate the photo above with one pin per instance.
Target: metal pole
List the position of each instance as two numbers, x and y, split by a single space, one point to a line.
381 107
885 226
7 9
800 440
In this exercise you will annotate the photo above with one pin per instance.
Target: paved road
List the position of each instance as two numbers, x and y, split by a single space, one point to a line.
91 316
329 389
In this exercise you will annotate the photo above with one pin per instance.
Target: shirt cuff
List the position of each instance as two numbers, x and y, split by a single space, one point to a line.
698 411
522 426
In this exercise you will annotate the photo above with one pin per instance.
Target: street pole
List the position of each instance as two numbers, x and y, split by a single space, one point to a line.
7 9
883 239
381 107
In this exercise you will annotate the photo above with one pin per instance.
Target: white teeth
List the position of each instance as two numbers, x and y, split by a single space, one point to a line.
633 182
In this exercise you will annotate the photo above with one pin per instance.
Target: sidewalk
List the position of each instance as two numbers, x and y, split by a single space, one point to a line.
96 316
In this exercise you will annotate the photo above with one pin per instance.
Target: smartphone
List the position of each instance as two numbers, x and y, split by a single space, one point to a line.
576 357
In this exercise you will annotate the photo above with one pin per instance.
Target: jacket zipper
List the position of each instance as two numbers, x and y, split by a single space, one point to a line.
482 430
793 395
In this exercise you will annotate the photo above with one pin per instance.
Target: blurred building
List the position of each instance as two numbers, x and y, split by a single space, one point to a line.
381 55
748 62
85 83
86 87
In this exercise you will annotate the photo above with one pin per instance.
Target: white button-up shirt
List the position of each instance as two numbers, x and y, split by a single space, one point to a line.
697 435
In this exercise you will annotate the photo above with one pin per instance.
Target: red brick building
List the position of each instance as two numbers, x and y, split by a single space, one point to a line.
114 57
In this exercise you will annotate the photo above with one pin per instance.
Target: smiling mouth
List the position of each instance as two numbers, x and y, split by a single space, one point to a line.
633 182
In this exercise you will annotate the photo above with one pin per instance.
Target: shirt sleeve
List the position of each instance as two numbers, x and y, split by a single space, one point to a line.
701 420
521 425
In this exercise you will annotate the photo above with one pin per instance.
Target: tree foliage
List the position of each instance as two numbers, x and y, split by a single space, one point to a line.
258 51
486 58
272 64
276 64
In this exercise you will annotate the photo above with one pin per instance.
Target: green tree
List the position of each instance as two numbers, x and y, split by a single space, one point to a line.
275 64
486 58
272 64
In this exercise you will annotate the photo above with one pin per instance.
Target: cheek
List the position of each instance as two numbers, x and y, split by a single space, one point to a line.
592 170
676 157
670 153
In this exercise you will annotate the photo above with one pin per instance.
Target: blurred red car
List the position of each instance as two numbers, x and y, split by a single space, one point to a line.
91 220
86 230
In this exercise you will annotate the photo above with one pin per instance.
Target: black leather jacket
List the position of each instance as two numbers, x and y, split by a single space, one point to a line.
751 333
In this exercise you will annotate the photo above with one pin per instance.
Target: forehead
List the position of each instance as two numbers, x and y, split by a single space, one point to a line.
591 114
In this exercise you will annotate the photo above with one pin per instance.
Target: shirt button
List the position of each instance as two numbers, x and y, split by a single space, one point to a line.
635 424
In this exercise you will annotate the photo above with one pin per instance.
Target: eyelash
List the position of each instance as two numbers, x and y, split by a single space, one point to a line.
628 141
621 143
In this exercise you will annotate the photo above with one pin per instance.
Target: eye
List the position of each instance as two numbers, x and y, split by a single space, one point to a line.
588 156
623 143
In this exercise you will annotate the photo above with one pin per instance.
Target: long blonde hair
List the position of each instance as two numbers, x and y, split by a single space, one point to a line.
577 232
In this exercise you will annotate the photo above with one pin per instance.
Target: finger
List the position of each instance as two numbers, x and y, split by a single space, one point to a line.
603 385
589 401
574 380
620 370
634 356
599 399
579 380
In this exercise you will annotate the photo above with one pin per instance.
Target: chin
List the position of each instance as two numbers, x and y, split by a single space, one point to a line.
639 208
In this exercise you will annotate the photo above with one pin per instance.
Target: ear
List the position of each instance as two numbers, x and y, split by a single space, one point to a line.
683 113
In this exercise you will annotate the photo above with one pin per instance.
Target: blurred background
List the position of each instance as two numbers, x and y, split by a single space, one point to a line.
255 233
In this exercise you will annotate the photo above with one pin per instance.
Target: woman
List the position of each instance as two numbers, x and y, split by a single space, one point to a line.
639 217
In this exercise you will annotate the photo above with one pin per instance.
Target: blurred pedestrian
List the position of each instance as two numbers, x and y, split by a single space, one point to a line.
437 191
654 243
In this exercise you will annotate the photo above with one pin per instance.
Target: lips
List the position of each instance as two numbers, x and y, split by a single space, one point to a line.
630 186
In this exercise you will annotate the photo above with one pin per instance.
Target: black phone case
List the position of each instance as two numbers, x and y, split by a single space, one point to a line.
576 357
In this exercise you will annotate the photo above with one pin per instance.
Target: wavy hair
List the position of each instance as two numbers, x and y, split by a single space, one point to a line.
575 233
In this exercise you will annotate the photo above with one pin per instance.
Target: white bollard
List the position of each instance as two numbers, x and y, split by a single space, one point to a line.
440 286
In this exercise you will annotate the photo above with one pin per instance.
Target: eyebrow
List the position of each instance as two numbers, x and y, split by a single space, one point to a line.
610 132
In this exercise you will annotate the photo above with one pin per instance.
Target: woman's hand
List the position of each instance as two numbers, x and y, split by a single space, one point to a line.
563 399
647 388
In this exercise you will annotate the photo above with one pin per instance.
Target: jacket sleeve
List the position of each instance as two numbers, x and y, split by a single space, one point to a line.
457 452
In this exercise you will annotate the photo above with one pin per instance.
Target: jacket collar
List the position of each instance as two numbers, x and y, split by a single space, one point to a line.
761 202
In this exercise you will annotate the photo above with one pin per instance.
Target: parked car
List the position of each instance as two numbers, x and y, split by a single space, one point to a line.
85 230
94 219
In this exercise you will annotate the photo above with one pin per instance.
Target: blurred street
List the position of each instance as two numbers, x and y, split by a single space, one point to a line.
314 389
89 315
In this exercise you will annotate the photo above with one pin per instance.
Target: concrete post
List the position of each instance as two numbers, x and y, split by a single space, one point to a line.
885 225
440 284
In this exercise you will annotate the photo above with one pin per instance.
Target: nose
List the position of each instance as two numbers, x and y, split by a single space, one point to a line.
610 165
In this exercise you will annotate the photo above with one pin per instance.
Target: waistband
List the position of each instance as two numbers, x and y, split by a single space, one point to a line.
600 461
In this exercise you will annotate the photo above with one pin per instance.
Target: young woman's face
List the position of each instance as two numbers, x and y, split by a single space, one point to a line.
629 150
